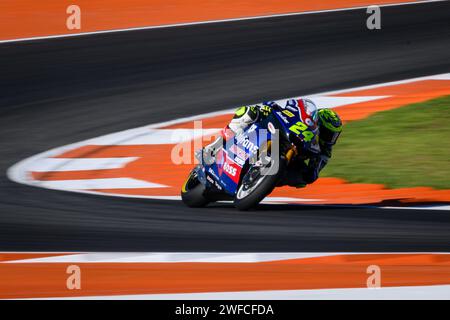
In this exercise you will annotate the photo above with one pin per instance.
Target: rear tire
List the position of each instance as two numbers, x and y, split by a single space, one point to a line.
192 192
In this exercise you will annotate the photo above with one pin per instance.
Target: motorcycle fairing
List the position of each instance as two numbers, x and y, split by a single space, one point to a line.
233 157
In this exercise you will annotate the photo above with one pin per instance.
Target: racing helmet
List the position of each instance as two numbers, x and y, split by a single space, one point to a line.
330 126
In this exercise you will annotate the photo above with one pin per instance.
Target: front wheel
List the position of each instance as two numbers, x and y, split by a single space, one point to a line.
256 186
192 192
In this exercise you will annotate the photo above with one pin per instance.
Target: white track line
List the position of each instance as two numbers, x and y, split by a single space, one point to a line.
177 257
435 207
213 21
172 257
438 292
98 184
75 164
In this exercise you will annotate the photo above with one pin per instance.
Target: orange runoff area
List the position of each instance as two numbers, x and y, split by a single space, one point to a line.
31 18
38 280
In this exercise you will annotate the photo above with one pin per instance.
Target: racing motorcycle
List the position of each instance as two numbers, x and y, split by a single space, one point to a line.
249 165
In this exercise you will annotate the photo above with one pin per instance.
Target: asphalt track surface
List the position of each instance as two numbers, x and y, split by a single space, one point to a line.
55 92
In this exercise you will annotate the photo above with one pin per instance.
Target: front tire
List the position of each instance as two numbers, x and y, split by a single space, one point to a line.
248 198
192 192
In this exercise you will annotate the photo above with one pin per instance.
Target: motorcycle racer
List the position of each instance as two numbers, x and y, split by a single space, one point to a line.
305 167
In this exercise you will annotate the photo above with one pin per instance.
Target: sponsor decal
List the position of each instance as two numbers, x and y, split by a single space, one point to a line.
239 161
231 169
238 152
283 117
288 113
247 144
293 109
214 182
218 186
211 172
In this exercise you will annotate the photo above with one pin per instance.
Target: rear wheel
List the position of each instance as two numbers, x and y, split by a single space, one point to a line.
192 192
